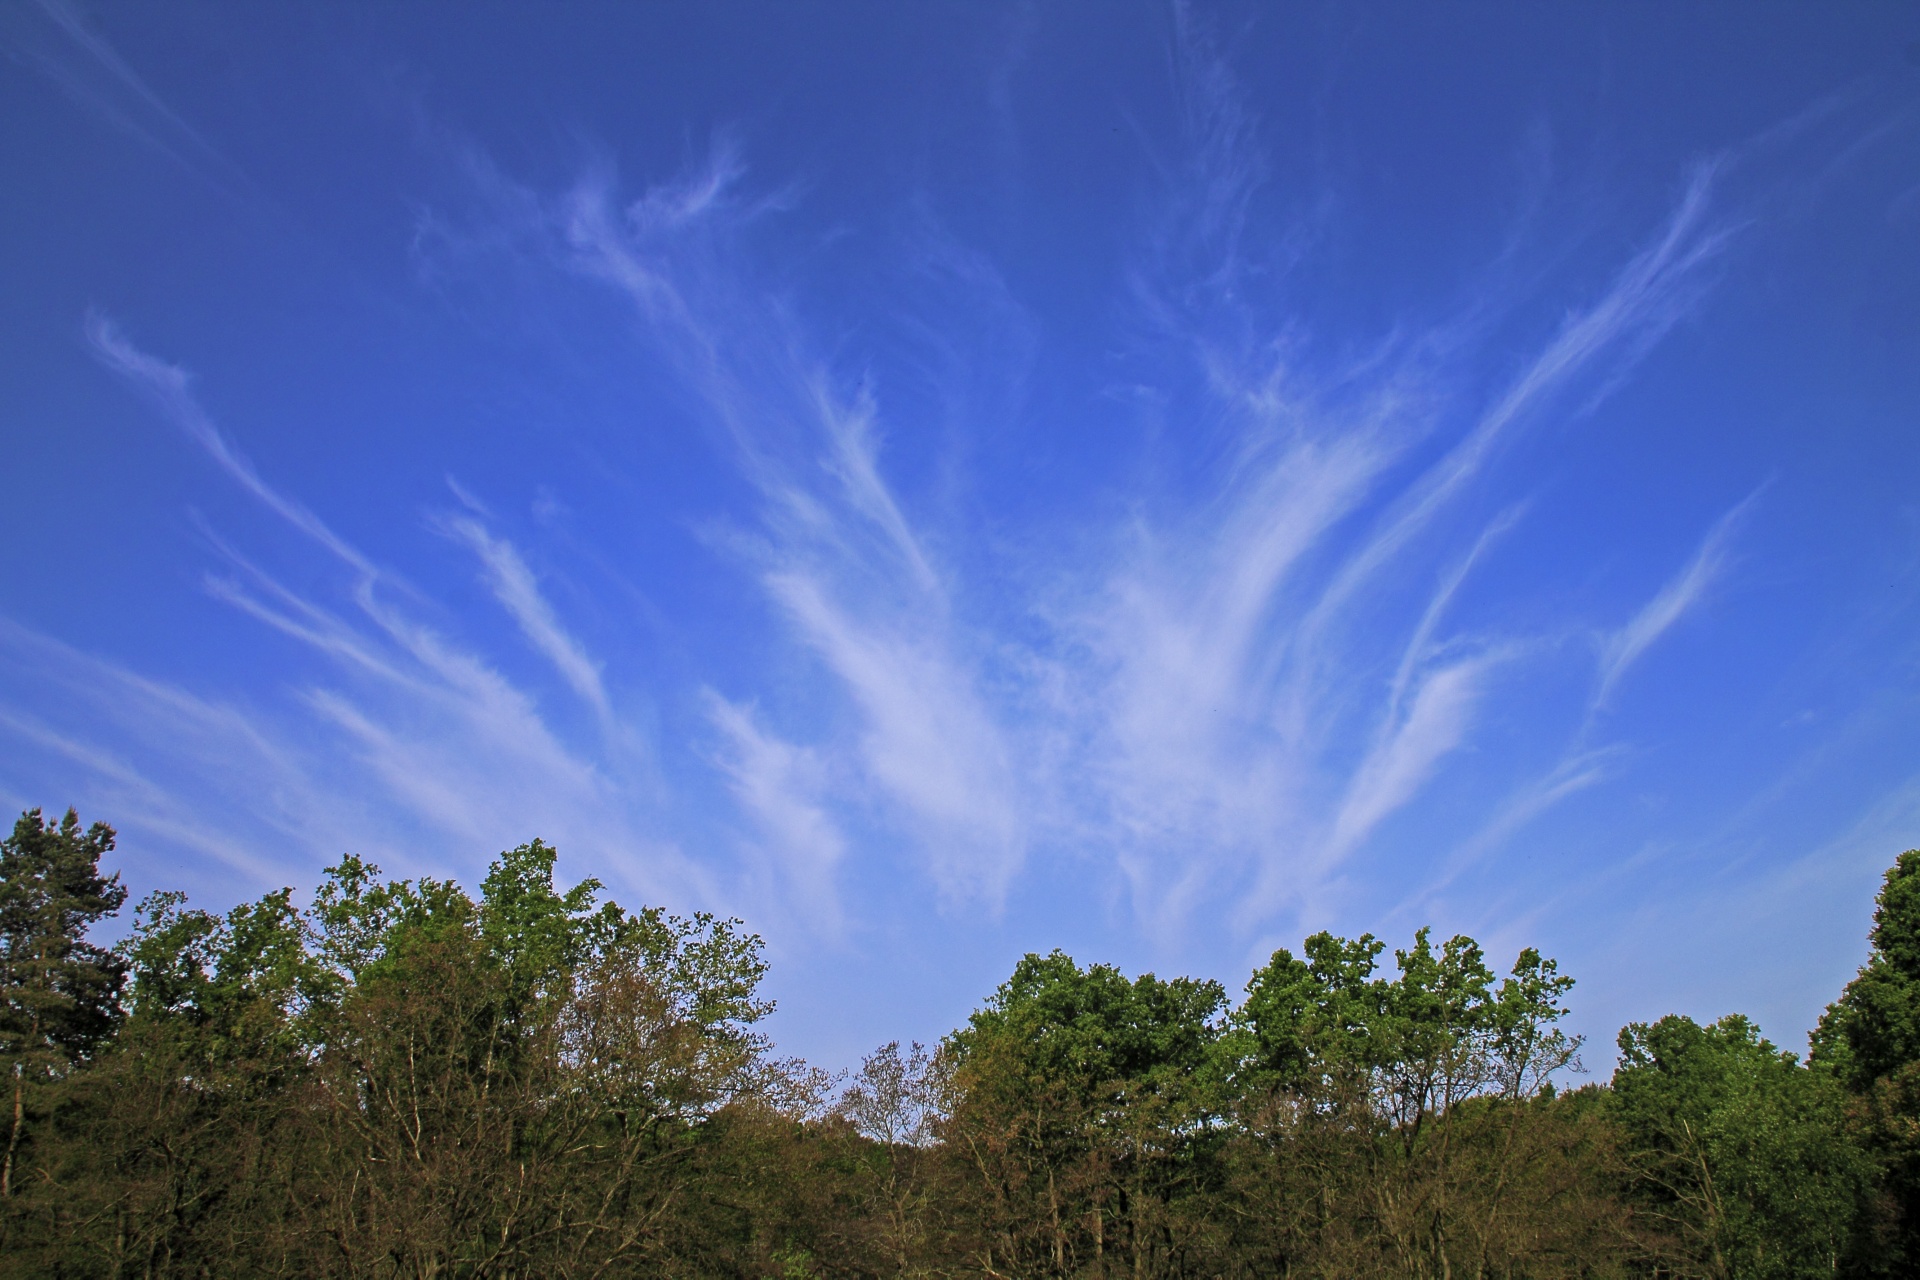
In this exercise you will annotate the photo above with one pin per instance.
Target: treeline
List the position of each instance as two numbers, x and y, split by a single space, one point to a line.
403 1079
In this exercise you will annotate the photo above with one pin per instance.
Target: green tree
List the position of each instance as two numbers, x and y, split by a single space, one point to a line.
530 1083
403 1080
1872 1031
178 1151
1087 1107
1407 1124
59 993
1870 1040
1740 1163
1329 1029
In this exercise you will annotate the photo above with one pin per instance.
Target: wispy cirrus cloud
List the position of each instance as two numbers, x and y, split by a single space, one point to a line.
1583 763
514 586
1197 702
101 81
201 774
1434 723
1272 674
1184 632
462 756
1645 299
926 739
1221 686
781 787
1619 651
170 388
831 542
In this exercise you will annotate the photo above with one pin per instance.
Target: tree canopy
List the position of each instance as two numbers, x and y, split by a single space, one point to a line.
394 1077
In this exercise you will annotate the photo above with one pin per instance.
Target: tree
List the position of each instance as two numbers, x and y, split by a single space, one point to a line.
1873 1030
523 1084
59 993
177 1151
1870 1040
1328 1029
406 1080
1086 1105
1739 1161
1408 1125
894 1107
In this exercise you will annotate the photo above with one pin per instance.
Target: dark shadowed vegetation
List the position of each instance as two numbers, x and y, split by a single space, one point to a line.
402 1079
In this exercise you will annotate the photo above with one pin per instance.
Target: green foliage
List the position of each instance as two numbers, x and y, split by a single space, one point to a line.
1415 1112
1328 1029
1739 1156
357 920
235 983
403 1079
1870 1040
1873 1029
1088 1101
1093 1031
400 1078
59 993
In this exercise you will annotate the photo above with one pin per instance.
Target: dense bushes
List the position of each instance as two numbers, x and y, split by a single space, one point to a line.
405 1080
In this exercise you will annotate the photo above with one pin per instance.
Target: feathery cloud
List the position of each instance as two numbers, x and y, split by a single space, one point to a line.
170 387
459 753
836 551
1681 593
780 785
514 586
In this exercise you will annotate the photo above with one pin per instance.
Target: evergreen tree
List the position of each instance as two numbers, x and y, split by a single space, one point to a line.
59 993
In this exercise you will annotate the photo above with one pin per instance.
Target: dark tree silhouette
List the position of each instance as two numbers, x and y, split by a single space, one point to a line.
59 993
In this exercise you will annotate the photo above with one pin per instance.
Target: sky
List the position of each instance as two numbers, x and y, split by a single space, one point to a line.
943 481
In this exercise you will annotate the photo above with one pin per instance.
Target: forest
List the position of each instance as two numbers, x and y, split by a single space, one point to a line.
404 1078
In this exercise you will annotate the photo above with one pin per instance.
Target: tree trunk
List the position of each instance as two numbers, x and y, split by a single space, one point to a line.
13 1138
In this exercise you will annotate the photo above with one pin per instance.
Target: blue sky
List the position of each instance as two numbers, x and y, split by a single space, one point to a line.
943 481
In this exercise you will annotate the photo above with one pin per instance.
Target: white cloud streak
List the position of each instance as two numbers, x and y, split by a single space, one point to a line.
1434 724
1196 706
1646 298
927 741
170 387
1238 648
781 787
1682 592
836 550
514 586
462 755
1232 688
102 82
